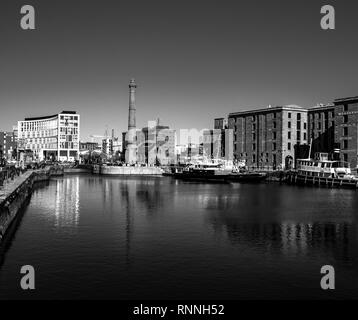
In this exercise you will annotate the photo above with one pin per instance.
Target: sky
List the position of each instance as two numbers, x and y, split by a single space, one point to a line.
193 60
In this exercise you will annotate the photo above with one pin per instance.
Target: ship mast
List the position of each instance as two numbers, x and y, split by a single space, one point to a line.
309 155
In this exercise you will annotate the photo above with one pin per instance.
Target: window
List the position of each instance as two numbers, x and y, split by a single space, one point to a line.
289 124
345 108
345 119
304 136
305 125
253 126
289 146
345 144
289 135
298 135
253 146
289 115
274 135
298 116
254 158
345 131
254 136
274 125
274 146
345 157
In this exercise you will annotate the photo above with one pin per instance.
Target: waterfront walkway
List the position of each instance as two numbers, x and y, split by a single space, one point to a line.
11 185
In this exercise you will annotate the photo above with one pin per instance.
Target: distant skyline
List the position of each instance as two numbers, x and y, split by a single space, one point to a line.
193 60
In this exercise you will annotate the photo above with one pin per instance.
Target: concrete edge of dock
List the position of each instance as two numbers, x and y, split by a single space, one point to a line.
14 196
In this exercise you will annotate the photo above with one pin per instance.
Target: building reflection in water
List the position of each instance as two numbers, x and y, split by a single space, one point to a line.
67 201
130 197
281 232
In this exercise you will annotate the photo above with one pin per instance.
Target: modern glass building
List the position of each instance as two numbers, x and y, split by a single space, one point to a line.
53 137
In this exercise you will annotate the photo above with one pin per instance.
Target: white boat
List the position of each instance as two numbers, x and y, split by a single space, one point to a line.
322 171
211 170
324 168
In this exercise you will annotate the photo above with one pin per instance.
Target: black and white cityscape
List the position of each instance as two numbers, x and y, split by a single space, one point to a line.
165 150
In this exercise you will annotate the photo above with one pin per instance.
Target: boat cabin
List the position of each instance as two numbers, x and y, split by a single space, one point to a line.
320 166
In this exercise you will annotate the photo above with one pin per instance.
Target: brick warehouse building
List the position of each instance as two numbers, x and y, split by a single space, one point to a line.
334 127
265 137
346 129
270 137
321 127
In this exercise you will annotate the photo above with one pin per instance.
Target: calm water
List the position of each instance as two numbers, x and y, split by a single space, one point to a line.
158 238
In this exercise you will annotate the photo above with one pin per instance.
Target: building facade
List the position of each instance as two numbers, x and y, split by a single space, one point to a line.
156 145
53 138
8 146
107 146
321 127
89 146
270 137
218 143
333 129
346 129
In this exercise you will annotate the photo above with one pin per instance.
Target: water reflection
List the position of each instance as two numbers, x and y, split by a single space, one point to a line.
161 238
67 202
129 200
288 222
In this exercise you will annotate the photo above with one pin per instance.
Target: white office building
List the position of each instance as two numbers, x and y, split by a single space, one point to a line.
51 138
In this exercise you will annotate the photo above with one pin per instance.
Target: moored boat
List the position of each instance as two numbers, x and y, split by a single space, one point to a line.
210 171
322 171
247 177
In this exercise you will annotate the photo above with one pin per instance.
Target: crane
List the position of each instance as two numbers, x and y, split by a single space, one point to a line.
95 136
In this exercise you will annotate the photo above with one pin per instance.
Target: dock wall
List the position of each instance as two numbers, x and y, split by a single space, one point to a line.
108 170
77 170
15 194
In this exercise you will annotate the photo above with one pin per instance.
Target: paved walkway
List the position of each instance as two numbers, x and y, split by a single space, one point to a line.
11 185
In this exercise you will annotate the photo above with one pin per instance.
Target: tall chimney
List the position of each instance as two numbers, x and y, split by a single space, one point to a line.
131 145
132 107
